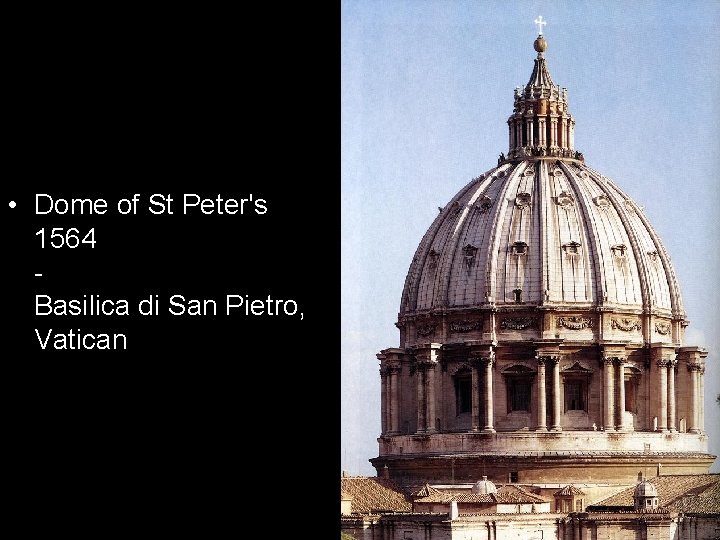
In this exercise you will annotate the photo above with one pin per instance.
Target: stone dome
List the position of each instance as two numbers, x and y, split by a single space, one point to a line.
483 487
542 230
645 489
541 326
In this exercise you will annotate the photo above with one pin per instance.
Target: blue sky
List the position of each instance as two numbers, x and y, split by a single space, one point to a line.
426 89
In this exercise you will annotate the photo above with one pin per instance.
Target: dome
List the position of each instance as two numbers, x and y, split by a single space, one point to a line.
483 487
541 326
544 231
645 489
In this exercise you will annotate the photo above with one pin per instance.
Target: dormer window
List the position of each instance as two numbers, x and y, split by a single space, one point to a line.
564 199
519 248
469 252
571 248
619 250
483 203
518 296
602 201
523 200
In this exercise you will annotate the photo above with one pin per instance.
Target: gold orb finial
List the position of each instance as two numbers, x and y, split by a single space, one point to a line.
540 44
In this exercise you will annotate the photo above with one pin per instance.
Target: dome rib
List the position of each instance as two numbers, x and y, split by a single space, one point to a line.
500 211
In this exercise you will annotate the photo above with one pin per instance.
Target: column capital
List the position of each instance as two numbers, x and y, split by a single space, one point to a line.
548 359
662 362
694 367
482 357
612 360
393 370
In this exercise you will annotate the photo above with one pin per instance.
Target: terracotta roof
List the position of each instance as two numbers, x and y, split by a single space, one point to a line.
426 491
508 494
568 491
374 495
517 495
671 491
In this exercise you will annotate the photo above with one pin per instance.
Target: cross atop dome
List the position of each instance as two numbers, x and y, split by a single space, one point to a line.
540 23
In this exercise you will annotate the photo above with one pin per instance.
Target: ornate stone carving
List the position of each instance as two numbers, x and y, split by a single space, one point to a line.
483 203
575 322
662 328
662 362
518 323
522 200
572 248
469 252
626 325
548 360
482 359
464 326
602 202
619 250
425 330
577 368
611 360
558 172
564 200
456 368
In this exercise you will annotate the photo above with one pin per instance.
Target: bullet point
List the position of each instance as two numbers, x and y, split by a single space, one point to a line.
12 204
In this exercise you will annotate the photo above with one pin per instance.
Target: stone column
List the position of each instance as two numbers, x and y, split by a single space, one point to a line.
701 415
553 132
530 130
620 394
694 370
421 402
394 400
608 383
563 133
662 394
518 134
430 399
542 397
672 407
489 411
384 401
556 408
475 398
511 134
542 130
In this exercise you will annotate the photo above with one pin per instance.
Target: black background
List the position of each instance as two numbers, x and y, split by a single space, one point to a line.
201 422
